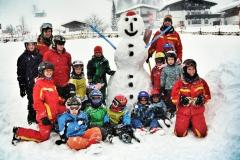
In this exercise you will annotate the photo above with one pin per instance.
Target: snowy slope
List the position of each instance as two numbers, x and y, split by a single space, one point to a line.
218 62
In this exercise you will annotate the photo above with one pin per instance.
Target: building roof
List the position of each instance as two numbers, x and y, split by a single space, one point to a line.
138 6
229 6
74 24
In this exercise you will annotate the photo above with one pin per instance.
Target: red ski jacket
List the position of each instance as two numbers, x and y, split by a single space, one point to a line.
155 76
172 38
42 48
191 91
62 66
47 102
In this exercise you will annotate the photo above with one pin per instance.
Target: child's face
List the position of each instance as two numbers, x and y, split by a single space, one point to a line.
60 47
74 109
155 98
170 60
31 47
48 73
191 71
47 33
78 70
143 100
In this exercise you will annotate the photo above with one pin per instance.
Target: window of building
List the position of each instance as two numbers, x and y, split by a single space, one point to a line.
206 21
196 21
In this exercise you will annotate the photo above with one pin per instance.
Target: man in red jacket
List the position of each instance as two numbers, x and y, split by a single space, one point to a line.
62 64
190 94
48 106
45 38
171 36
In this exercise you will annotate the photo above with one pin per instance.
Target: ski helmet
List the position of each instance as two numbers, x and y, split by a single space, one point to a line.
143 94
95 97
28 40
44 65
45 26
171 54
73 103
58 39
159 57
77 63
118 104
168 47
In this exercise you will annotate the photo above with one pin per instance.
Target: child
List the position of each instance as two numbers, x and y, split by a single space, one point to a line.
97 68
27 71
73 127
95 110
158 110
156 71
170 74
44 40
48 106
190 94
139 117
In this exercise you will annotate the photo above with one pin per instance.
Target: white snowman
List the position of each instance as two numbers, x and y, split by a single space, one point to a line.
130 77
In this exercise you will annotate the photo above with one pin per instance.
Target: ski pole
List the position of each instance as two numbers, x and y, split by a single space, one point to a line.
101 35
157 37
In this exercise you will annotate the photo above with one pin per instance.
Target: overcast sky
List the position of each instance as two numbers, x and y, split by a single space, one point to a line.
58 11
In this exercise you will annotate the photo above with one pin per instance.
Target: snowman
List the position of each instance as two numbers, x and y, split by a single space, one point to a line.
130 77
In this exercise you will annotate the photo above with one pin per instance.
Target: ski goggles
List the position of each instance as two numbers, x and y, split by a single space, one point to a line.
96 97
74 107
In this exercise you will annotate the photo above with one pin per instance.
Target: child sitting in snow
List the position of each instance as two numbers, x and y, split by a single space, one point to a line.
73 127
95 110
139 116
157 111
117 123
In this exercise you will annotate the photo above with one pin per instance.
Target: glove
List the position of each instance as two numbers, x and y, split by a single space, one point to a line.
46 121
149 56
184 100
111 73
199 100
22 90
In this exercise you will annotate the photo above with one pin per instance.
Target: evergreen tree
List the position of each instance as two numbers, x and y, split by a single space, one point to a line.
114 18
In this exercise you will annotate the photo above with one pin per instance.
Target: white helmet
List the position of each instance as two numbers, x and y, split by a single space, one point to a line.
77 63
29 39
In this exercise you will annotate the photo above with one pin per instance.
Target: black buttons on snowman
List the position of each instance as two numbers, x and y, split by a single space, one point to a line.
130 84
130 45
131 96
131 53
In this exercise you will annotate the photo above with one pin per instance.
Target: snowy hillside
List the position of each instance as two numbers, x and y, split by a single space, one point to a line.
218 63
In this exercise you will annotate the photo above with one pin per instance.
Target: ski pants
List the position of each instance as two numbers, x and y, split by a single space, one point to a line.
91 136
197 121
42 134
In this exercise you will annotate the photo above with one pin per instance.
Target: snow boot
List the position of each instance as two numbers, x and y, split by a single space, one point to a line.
15 140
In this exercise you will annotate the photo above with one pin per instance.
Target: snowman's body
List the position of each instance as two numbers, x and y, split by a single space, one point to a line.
130 77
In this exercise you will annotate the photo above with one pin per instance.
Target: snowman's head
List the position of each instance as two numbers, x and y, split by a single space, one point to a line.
130 24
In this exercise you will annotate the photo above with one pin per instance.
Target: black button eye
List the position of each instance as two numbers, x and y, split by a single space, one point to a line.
135 19
126 19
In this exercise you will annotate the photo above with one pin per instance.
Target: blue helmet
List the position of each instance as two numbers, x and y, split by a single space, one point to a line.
142 94
95 98
168 46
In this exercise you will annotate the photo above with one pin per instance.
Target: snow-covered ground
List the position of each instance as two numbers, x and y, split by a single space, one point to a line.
218 63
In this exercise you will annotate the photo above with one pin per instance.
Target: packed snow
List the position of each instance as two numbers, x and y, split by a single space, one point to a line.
218 63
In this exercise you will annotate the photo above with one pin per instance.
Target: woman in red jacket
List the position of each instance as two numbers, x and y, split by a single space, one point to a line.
190 94
48 106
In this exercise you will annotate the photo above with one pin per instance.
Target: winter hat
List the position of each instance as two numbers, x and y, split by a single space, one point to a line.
98 49
168 18
130 13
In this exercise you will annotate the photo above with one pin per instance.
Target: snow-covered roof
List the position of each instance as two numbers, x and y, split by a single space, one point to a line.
138 6
167 3
229 6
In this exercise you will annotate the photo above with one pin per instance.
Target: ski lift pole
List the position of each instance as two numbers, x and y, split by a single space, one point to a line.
158 36
101 35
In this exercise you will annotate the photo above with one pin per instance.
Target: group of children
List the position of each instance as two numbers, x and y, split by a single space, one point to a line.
80 111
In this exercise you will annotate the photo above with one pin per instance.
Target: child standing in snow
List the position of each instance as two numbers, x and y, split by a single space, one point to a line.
170 74
48 106
156 71
73 127
139 117
157 111
190 94
27 71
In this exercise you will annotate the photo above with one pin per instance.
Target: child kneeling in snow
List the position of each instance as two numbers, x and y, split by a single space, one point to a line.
48 106
190 94
73 127
157 111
